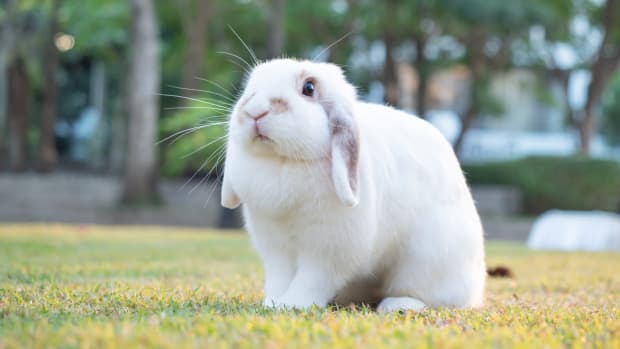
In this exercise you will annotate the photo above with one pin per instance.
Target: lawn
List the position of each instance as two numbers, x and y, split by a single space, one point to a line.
85 286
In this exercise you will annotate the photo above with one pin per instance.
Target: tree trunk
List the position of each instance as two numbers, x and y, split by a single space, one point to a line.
97 144
7 42
477 65
562 76
466 122
4 91
422 66
585 131
140 182
605 64
390 80
277 35
601 73
118 134
18 116
423 78
48 157
195 26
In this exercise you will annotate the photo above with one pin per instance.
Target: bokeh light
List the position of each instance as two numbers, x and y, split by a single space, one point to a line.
64 42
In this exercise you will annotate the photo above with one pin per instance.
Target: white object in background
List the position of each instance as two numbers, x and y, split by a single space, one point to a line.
576 230
447 122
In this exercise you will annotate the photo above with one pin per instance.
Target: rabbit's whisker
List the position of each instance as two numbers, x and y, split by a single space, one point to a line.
213 105
255 60
332 45
216 84
245 66
218 179
202 166
203 146
226 98
215 155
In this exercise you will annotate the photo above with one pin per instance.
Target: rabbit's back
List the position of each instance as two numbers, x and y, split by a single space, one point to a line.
413 165
424 209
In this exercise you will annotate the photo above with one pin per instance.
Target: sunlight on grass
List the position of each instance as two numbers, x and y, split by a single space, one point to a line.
86 286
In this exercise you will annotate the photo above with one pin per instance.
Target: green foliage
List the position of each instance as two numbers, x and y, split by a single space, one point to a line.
611 112
322 26
571 183
199 151
503 16
490 104
100 27
121 287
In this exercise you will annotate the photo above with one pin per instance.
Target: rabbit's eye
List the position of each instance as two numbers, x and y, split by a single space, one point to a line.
308 88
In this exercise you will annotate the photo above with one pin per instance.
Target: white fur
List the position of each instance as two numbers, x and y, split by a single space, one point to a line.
412 235
390 304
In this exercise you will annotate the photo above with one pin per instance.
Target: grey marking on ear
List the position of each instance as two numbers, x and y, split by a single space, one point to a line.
344 133
345 154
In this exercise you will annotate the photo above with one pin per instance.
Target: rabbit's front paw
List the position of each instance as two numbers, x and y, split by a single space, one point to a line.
284 305
291 302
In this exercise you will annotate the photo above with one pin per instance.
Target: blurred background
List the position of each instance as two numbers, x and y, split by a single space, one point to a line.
111 111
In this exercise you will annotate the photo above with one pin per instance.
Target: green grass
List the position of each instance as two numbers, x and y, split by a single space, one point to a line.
81 286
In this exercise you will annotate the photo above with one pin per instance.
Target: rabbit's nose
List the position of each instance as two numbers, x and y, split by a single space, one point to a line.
258 116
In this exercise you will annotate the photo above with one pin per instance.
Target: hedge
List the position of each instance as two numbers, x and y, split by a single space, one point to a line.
570 183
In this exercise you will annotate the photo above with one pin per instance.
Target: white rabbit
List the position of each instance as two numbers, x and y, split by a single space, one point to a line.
348 201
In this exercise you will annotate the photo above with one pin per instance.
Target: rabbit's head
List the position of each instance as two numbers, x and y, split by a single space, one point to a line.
300 111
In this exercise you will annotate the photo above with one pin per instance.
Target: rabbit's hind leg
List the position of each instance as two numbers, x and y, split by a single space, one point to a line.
391 304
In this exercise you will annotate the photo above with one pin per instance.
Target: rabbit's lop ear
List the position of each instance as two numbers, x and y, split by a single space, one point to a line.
344 154
229 198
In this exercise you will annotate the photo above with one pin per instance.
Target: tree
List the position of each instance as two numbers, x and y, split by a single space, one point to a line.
102 38
48 157
141 172
426 29
547 59
424 69
601 60
18 115
604 65
611 112
488 31
12 35
195 19
277 35
481 68
406 24
390 78
7 41
22 23
390 23
323 29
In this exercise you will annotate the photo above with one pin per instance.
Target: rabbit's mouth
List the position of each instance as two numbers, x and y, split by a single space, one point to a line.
262 138
259 134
